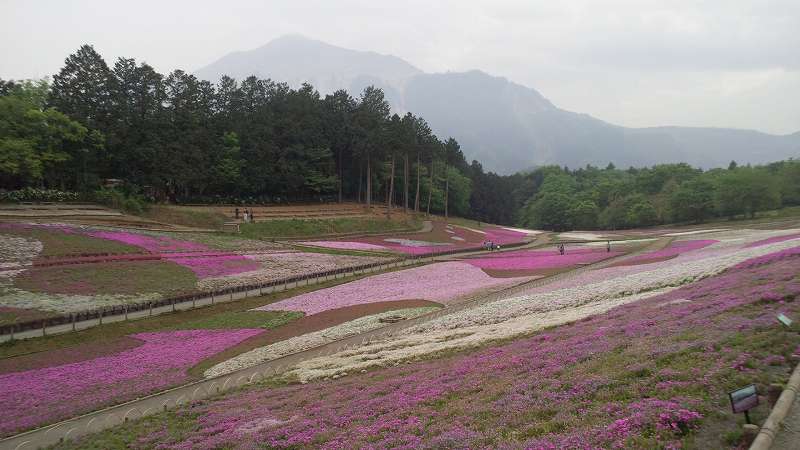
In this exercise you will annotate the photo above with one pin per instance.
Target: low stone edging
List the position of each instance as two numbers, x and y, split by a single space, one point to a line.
766 436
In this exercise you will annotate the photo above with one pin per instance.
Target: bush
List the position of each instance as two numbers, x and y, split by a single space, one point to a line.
130 203
30 194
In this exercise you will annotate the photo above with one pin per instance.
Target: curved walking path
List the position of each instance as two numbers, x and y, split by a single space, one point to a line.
788 438
115 415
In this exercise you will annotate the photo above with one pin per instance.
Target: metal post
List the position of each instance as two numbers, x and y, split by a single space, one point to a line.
173 304
194 299
126 312
212 297
151 308
101 316
72 315
44 333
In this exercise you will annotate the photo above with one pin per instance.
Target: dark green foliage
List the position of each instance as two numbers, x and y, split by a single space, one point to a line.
560 199
183 139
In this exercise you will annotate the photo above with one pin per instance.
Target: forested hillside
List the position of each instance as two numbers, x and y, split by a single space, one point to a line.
176 138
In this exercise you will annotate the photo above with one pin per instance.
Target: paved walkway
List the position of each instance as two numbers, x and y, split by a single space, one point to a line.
788 438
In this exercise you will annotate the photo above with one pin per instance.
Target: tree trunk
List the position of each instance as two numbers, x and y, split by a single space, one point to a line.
360 178
405 183
369 184
340 175
416 199
391 191
446 192
430 192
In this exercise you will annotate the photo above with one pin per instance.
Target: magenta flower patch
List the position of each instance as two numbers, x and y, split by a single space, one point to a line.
40 396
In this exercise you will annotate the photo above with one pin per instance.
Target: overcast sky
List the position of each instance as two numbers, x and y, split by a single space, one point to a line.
724 63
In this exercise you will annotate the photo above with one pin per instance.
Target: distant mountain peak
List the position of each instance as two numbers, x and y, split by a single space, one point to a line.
505 125
296 59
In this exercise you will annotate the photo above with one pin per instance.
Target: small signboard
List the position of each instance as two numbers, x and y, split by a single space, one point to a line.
744 399
784 320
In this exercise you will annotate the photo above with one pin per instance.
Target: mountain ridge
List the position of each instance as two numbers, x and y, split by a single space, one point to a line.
505 125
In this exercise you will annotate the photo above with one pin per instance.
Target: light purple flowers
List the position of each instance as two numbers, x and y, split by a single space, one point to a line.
39 396
440 282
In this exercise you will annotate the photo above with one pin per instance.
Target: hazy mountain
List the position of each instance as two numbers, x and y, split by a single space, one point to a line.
506 126
296 59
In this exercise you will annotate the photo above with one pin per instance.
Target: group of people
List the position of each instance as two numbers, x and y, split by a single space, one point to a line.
489 245
247 215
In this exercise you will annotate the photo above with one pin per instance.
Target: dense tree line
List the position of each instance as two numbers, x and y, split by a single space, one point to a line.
181 139
184 139
592 198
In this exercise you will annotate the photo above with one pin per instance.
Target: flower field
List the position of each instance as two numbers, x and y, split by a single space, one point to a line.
441 282
279 265
148 266
651 369
35 397
310 340
442 237
671 251
537 260
556 303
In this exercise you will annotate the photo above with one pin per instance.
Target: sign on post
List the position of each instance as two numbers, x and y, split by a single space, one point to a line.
743 400
784 320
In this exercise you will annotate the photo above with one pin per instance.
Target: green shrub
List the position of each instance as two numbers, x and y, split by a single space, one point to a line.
130 203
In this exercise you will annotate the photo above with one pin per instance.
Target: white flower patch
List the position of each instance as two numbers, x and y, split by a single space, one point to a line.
584 236
523 230
17 252
276 266
310 340
65 303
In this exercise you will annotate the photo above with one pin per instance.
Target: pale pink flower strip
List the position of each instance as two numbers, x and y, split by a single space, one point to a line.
440 282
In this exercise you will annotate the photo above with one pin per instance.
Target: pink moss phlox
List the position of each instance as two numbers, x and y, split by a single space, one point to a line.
440 282
40 396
